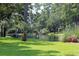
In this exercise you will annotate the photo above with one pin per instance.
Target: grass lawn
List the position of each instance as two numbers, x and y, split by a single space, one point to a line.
15 47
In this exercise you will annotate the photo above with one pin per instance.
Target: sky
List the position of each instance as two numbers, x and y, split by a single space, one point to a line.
34 9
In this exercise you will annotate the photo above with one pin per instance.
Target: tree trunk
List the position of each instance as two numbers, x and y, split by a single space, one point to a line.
3 31
26 14
24 38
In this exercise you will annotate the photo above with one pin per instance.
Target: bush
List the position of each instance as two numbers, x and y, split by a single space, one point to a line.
53 37
60 37
71 34
72 38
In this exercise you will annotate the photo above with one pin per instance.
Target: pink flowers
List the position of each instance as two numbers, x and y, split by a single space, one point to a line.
72 38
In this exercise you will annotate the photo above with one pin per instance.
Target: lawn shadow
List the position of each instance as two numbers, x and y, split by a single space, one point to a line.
13 49
30 43
38 53
10 49
38 43
52 53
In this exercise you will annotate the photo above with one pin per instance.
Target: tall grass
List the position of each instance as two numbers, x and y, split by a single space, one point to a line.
70 32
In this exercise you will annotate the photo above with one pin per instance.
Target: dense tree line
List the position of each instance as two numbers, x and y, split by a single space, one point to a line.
57 17
40 17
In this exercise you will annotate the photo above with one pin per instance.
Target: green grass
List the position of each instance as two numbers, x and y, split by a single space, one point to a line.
15 47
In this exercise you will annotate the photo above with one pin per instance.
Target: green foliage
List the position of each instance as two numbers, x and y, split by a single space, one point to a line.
70 32
53 37
11 14
45 17
56 36
57 16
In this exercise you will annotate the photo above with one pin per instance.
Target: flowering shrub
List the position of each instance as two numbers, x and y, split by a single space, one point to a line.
72 39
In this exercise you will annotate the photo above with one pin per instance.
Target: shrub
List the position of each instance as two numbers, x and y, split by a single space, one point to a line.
53 37
60 37
72 38
71 34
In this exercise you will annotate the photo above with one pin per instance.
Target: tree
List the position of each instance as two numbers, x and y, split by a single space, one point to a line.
6 15
26 19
